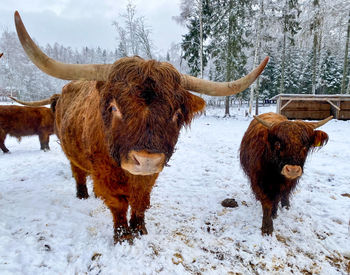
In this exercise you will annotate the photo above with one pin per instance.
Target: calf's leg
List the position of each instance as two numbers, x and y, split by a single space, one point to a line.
285 201
267 223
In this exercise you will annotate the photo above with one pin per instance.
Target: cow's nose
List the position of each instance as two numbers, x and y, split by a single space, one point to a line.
292 171
143 162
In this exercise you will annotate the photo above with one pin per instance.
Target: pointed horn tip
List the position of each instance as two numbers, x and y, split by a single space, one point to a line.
17 16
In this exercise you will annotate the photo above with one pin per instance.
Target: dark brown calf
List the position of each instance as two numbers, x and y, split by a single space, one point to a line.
272 154
20 121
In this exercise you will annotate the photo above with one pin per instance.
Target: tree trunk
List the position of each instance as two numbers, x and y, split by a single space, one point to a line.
284 45
345 68
314 63
201 37
227 106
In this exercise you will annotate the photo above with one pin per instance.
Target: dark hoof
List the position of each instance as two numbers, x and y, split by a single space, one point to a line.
140 230
82 192
123 235
6 151
229 203
266 230
138 227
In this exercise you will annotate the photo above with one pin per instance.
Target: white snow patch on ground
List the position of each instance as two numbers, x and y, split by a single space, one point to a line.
45 229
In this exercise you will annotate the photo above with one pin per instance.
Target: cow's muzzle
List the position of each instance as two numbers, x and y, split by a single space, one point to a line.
143 163
292 171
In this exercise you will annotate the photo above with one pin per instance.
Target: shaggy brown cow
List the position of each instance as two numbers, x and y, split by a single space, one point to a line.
20 121
272 154
122 125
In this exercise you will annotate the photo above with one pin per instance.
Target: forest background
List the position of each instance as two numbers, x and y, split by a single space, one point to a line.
307 41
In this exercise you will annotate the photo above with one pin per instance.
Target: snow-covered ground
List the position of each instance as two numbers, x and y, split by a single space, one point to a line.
45 229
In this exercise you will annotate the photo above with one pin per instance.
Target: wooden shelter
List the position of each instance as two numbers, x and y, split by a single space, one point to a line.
302 106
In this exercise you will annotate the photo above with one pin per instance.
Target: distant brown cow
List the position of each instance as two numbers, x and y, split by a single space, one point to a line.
272 154
121 126
1 55
20 121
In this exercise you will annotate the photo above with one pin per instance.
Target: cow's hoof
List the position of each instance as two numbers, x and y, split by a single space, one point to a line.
266 230
82 192
140 230
123 235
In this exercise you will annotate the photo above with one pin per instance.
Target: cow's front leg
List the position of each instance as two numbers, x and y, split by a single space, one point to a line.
267 223
80 181
139 205
140 201
119 207
137 224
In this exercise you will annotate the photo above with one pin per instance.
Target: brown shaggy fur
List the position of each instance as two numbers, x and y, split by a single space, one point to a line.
263 154
19 121
154 107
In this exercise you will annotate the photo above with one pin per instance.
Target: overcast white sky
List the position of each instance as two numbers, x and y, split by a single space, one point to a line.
78 23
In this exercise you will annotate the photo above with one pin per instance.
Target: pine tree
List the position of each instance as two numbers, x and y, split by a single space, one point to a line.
229 40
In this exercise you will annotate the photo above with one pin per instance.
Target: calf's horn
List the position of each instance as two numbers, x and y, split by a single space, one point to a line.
316 125
263 122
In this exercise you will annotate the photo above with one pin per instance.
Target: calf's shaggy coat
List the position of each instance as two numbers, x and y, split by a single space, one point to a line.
272 154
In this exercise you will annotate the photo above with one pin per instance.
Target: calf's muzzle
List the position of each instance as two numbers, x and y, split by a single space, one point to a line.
292 171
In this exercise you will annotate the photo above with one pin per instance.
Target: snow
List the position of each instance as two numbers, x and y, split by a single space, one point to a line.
45 229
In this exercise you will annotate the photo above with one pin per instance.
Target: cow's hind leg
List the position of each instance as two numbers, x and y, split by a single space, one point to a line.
2 141
80 180
44 141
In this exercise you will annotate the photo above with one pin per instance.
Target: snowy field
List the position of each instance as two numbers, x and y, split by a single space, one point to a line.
45 229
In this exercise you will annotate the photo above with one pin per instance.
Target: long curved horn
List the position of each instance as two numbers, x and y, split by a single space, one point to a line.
1 55
55 68
263 122
316 125
33 103
213 88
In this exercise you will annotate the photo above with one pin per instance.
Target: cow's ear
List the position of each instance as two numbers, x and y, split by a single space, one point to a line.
320 138
194 106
